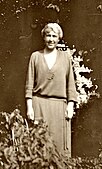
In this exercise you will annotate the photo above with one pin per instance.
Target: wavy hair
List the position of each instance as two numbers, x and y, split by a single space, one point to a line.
52 27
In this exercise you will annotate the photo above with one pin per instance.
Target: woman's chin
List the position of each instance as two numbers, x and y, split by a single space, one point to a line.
51 47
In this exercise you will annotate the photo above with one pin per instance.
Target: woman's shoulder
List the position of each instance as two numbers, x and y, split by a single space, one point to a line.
35 53
64 54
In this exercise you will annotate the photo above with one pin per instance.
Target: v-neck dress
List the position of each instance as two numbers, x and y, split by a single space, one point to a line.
50 90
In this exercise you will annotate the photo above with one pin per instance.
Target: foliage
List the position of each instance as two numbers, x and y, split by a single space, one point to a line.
27 145
86 89
18 6
86 163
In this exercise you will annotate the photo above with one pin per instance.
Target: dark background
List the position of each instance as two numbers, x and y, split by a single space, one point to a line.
20 25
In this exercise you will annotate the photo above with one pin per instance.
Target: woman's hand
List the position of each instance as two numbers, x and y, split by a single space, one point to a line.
69 110
30 114
30 111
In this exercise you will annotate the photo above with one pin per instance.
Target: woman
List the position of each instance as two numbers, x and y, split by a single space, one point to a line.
50 86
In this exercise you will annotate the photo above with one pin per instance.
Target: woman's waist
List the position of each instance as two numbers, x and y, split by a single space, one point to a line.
52 97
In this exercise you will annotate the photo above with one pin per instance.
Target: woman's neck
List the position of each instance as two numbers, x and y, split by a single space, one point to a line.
50 57
48 51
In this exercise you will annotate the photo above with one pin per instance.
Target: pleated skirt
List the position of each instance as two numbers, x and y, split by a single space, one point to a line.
52 111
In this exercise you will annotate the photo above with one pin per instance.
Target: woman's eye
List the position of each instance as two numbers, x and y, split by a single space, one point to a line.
54 36
48 35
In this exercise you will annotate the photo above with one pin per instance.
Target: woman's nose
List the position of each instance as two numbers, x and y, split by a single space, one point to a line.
51 38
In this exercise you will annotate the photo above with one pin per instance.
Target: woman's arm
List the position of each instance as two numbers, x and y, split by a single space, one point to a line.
29 88
30 78
71 92
71 88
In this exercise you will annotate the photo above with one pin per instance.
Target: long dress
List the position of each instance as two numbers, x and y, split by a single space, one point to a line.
50 90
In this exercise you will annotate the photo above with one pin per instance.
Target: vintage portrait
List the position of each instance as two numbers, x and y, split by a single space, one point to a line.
50 84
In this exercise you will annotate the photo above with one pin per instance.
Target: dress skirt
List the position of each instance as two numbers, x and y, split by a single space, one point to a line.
53 112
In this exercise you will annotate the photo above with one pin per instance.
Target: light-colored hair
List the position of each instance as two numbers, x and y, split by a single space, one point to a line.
52 27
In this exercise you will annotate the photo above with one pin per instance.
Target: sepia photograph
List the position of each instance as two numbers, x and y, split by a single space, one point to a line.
50 84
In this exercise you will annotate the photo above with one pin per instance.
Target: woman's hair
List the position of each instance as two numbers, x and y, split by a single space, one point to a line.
52 27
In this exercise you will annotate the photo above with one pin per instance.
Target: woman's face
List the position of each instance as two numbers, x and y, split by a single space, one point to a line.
51 39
